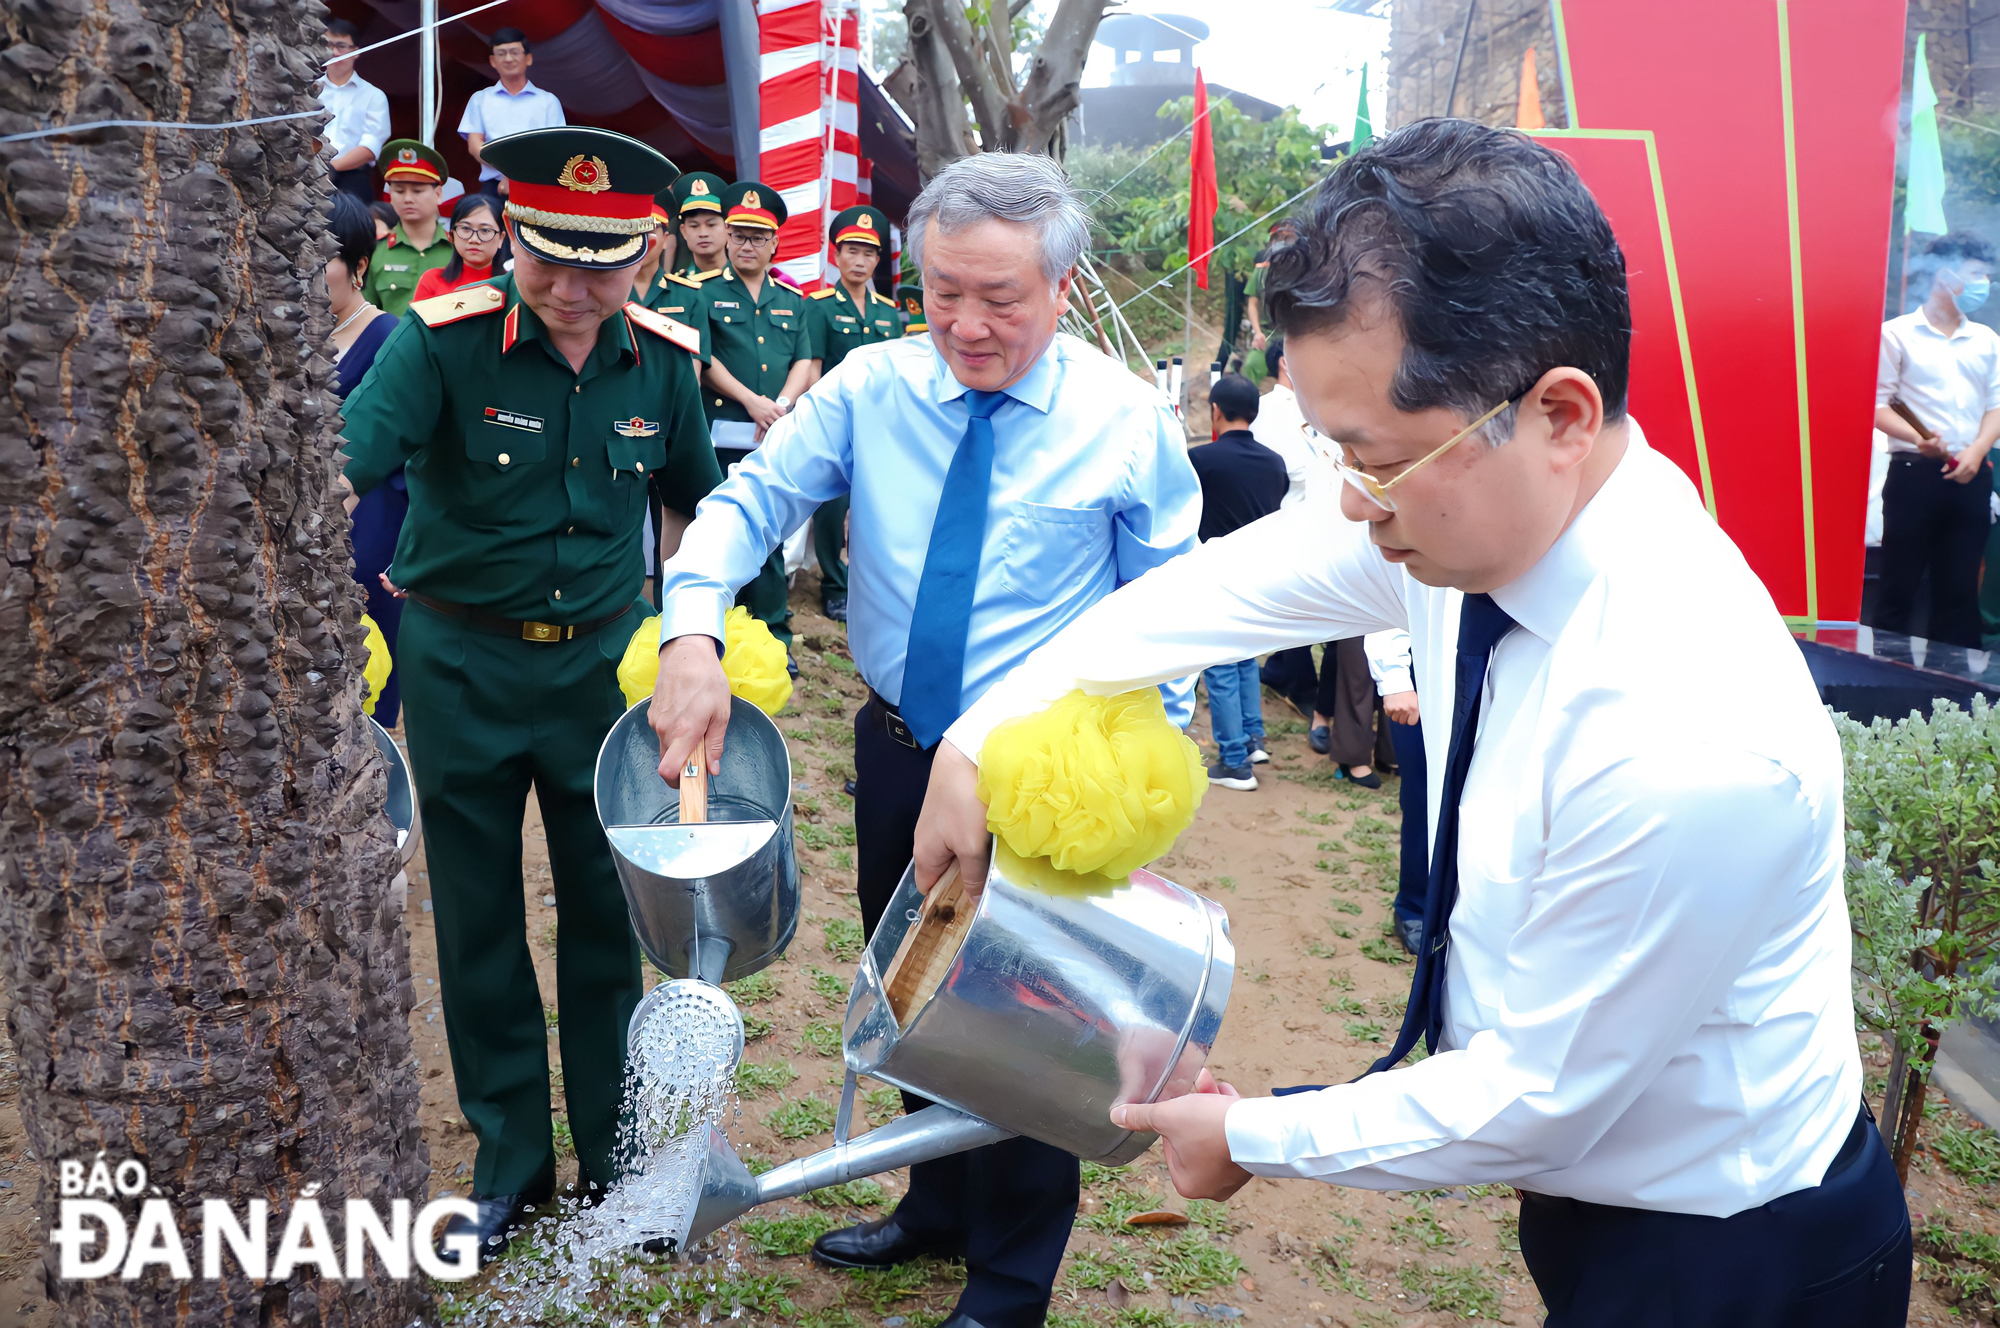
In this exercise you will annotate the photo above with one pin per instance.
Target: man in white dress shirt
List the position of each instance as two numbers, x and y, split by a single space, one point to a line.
360 123
1937 498
512 106
1280 427
1635 978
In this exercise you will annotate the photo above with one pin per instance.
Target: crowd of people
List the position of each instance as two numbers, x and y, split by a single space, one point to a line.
592 376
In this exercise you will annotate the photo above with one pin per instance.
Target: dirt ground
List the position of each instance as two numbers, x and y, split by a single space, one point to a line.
1305 867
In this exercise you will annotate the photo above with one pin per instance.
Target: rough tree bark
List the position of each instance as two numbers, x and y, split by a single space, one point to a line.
958 62
202 966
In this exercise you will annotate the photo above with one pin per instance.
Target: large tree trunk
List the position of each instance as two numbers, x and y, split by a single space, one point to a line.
203 968
957 63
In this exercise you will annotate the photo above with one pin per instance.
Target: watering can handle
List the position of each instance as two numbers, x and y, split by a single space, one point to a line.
694 790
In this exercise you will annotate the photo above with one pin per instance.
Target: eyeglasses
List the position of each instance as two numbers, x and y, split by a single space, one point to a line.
478 234
1377 492
756 239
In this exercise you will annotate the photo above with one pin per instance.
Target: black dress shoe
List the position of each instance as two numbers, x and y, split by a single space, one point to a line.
848 788
495 1224
960 1321
836 609
877 1244
1320 738
791 667
1410 931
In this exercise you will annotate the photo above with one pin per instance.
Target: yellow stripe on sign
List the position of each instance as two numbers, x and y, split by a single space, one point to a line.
1798 304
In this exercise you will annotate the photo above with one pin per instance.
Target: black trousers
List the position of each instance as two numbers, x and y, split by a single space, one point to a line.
1008 1207
1930 522
360 182
1414 879
1835 1256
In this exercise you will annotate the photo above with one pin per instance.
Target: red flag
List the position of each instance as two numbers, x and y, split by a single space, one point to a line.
1201 186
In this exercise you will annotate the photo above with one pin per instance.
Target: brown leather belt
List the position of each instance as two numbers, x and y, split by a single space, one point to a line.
520 630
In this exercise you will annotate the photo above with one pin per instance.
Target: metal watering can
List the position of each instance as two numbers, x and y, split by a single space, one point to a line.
400 806
713 893
1023 1012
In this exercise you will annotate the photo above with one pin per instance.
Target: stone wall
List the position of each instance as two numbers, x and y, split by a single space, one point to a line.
1424 38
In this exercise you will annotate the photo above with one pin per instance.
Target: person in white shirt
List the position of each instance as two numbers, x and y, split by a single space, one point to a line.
511 106
1395 675
1280 427
1937 499
360 123
1636 953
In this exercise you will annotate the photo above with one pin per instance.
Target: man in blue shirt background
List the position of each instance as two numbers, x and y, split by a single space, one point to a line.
511 106
1009 479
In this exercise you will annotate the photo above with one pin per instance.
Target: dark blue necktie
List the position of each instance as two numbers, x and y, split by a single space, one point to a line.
934 665
1481 624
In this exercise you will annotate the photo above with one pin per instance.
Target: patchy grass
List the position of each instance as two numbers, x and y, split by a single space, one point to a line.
1091 1270
801 1119
1093 1174
764 1296
1470 1293
1421 1227
821 1038
1971 1151
1384 951
755 1027
828 986
842 860
884 1104
852 1194
757 1077
788 1234
565 1141
1190 1262
843 939
883 1287
761 986
1365 1030
1210 1216
1114 1207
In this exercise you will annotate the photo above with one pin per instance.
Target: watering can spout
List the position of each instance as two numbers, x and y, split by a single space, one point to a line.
728 1189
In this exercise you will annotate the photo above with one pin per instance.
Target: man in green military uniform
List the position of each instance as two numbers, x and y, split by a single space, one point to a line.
759 361
414 175
698 201
910 302
838 319
530 414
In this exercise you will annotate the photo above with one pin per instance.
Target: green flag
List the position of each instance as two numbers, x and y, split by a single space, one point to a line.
1923 200
1364 128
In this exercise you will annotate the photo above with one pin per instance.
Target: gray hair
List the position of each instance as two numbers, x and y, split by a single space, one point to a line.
1008 186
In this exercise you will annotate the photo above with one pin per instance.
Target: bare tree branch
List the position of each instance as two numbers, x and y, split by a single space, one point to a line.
1054 86
943 135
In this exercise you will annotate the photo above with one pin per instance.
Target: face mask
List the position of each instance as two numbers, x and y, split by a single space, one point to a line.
1975 293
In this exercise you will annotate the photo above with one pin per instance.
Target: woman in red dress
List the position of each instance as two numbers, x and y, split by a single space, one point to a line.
476 241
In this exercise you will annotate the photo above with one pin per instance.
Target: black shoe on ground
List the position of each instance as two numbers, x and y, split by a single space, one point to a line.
877 1244
791 667
1241 778
960 1321
495 1224
848 788
1410 931
1320 738
836 609
1370 780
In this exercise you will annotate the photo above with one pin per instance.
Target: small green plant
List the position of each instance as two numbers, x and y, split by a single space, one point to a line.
801 1119
1470 1293
1971 1151
852 1194
828 986
759 986
1094 1174
1226 882
838 663
1383 951
1421 1226
1090 1270
1366 1030
1317 818
760 1297
564 1140
1321 950
1190 1262
843 940
1334 1269
755 1077
833 704
1345 906
813 836
1210 1216
830 1316
787 1234
758 1165
755 1027
1340 980
1344 933
549 1016
883 1287
1144 1316
1347 1005
1118 1204
842 860
1059 1318
884 1104
821 1038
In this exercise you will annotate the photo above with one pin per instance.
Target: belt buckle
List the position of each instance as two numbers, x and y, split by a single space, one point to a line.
899 730
542 632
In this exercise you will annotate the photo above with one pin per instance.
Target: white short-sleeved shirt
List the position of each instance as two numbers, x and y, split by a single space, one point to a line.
360 114
1950 382
496 113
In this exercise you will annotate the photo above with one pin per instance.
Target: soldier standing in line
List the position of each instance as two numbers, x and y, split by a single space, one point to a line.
531 413
414 175
839 319
759 362
698 202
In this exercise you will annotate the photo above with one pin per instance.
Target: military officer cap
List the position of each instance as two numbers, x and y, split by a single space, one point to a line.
910 298
862 225
752 203
663 207
699 191
579 196
407 159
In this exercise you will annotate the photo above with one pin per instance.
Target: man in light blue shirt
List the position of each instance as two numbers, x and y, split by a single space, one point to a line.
511 106
1003 478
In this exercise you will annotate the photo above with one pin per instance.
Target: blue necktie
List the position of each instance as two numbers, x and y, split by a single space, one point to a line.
1481 624
934 665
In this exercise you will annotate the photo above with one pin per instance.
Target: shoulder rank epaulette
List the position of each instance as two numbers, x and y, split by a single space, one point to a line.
454 305
698 277
787 283
662 326
677 277
879 298
823 293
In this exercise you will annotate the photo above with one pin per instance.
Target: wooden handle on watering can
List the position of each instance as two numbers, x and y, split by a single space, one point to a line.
694 789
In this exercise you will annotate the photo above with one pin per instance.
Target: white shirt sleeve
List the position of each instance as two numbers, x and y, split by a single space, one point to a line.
1389 661
1633 929
474 119
1992 345
1888 367
1301 575
374 122
555 114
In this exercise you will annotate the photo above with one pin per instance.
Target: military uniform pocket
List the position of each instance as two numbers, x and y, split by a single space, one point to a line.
505 447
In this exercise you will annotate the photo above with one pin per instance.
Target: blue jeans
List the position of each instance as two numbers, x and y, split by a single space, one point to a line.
1235 710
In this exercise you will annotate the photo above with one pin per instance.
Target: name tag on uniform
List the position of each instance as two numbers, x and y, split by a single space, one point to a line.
843 318
723 304
514 420
786 312
676 308
636 428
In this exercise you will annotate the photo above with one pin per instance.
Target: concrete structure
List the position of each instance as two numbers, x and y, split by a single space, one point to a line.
1154 56
1425 40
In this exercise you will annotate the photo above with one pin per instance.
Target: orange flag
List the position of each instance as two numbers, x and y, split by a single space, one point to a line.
1529 114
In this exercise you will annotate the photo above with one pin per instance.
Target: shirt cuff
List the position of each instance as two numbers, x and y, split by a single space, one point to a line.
694 612
373 142
1260 1130
1395 679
